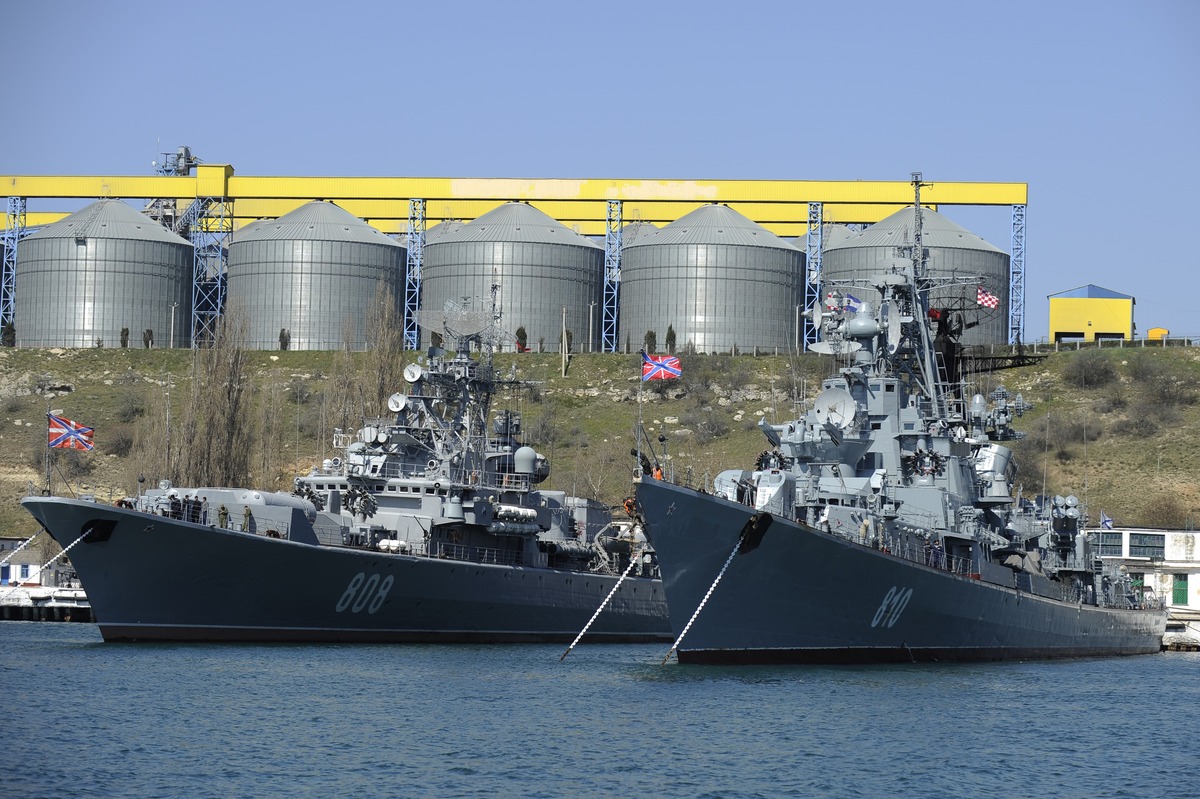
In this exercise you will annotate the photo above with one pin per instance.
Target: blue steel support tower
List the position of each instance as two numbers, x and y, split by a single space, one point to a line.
208 221
814 245
8 270
412 277
612 278
1016 279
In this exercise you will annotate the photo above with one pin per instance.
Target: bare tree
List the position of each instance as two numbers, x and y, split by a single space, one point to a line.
385 348
217 428
270 428
344 407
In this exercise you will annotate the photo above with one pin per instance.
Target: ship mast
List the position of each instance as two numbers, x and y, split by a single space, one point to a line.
921 283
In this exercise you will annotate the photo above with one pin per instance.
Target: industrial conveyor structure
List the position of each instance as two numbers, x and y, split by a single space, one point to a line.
208 202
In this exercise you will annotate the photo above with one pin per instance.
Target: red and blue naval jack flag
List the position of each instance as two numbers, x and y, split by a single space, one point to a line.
660 367
65 434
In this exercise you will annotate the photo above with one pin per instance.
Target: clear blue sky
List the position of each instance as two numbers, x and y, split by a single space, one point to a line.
1093 104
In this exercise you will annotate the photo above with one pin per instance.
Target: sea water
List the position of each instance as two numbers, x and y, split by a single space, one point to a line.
81 718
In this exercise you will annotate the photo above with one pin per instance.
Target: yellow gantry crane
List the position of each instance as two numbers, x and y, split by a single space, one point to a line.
209 202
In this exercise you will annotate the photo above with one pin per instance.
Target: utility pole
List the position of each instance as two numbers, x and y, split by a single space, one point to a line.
563 339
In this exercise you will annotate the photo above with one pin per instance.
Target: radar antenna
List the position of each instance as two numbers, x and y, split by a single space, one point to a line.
468 321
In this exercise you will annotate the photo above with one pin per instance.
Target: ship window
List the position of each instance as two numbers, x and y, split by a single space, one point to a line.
1111 544
908 425
392 489
1146 545
874 387
876 425
890 387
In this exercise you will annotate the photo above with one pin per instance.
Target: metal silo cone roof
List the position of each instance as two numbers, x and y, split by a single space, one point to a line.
831 235
517 222
318 221
713 224
109 219
436 232
636 230
897 231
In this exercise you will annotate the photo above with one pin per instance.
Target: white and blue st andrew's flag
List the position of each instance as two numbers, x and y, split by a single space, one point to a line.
853 303
1106 521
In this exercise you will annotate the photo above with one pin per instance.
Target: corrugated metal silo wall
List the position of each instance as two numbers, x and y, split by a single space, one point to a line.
862 263
71 293
536 279
319 291
715 296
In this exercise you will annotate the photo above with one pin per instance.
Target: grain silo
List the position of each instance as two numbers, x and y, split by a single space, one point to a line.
105 276
539 266
954 252
717 279
313 272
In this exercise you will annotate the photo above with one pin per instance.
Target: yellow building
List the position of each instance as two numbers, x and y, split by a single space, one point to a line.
1091 313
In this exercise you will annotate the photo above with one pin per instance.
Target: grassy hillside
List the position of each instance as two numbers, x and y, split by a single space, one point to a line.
1117 427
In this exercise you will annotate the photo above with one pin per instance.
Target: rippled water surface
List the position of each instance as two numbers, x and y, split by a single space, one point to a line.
88 719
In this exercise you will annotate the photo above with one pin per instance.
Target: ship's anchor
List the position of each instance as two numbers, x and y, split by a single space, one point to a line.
752 535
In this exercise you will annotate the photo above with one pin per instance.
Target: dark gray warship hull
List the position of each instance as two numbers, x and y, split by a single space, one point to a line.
149 577
806 596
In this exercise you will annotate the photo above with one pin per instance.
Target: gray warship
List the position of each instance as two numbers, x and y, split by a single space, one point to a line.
883 525
429 526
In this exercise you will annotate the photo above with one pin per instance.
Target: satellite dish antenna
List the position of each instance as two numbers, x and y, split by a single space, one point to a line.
892 325
396 402
835 406
836 347
412 373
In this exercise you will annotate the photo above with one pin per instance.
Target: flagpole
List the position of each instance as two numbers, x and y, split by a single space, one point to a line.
46 491
637 434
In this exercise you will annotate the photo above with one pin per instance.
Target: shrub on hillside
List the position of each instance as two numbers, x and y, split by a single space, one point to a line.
1114 400
1144 367
706 423
1089 369
1136 427
132 406
119 442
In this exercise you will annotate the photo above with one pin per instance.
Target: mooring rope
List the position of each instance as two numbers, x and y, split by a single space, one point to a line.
632 562
28 541
47 563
